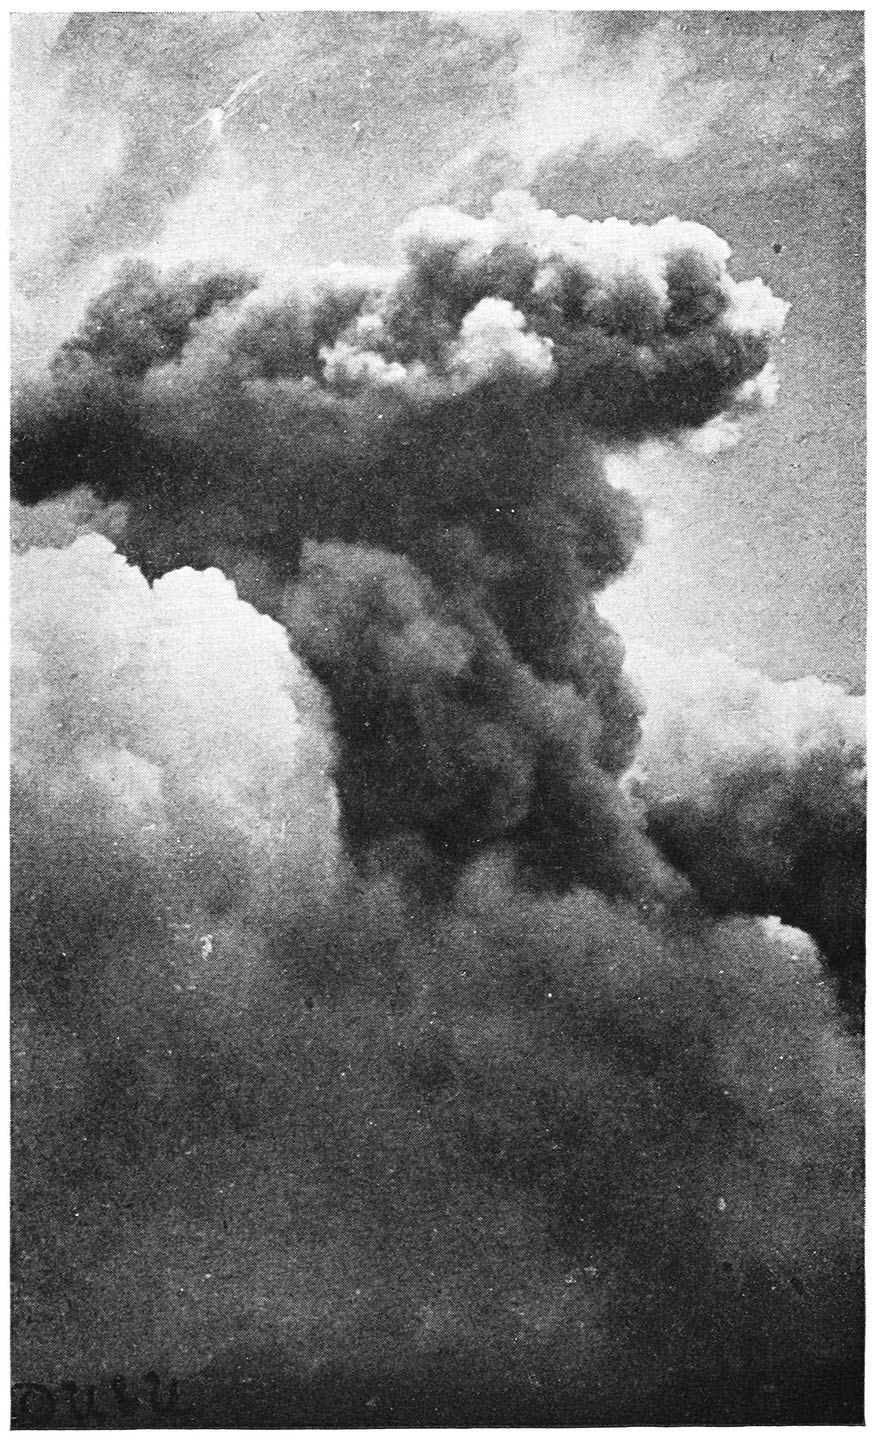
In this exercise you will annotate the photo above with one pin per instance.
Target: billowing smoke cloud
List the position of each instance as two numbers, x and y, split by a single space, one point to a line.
354 1142
756 789
453 413
360 1025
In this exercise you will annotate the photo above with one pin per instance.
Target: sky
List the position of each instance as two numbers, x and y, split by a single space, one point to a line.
132 134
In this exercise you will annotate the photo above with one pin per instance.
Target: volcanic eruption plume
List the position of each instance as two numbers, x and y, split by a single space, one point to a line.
406 470
349 978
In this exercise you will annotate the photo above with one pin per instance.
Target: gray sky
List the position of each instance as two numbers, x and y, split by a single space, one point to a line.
139 132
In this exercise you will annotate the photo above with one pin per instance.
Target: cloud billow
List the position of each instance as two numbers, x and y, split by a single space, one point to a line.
454 412
756 790
359 1022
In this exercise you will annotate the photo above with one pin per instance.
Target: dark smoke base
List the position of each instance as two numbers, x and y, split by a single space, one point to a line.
255 1391
505 1129
441 1396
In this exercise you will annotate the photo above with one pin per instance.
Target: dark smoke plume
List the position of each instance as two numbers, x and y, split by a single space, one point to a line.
302 1117
363 1040
454 413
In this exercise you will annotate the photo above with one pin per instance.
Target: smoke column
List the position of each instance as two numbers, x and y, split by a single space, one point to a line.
360 1024
407 472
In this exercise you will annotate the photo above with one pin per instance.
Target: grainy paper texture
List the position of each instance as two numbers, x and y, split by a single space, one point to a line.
438 735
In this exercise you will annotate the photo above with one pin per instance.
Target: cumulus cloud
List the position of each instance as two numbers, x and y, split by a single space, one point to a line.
756 789
707 716
174 722
493 338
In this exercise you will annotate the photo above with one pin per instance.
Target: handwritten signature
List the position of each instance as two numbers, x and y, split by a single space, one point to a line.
36 1404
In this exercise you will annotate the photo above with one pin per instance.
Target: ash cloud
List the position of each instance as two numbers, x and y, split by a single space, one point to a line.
360 1024
455 414
344 1137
